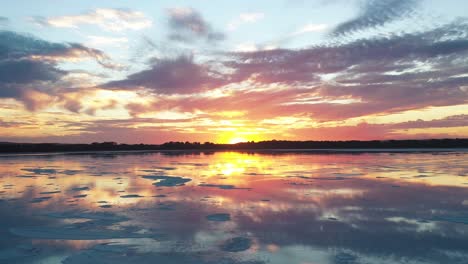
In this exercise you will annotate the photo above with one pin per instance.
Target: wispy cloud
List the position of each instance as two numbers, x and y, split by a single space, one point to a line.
311 28
376 13
106 18
244 18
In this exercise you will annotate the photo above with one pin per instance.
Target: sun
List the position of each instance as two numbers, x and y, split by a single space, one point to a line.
238 135
235 140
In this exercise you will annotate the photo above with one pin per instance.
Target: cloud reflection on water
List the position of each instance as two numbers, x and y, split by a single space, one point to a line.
300 207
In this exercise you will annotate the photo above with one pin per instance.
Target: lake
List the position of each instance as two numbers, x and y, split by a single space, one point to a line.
230 207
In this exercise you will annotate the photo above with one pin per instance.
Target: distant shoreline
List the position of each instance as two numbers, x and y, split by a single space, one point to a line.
439 145
252 151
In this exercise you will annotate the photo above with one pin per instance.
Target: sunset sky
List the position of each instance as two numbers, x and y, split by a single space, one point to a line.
229 71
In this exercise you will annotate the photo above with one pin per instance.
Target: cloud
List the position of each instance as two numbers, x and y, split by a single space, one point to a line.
19 46
169 76
325 83
77 52
244 18
186 24
301 122
394 73
365 131
28 67
376 13
317 86
450 121
106 18
311 28
26 71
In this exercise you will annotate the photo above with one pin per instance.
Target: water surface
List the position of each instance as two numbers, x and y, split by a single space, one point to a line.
228 207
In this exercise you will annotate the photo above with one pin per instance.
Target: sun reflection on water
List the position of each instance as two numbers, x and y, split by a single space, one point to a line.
264 194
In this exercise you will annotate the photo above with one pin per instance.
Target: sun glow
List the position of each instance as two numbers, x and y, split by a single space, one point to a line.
238 135
235 140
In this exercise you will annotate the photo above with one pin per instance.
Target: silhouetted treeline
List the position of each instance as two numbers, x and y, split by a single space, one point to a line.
354 144
57 147
7 147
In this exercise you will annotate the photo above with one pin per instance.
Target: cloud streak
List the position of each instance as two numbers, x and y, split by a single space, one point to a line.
106 18
376 13
310 28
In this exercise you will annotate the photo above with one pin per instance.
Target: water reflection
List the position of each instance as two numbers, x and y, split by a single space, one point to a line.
228 207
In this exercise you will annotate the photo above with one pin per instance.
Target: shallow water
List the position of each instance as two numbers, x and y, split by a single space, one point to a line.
228 207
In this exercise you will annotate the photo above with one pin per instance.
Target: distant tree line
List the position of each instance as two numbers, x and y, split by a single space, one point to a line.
8 147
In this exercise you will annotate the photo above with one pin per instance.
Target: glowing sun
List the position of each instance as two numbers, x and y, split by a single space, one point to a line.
235 140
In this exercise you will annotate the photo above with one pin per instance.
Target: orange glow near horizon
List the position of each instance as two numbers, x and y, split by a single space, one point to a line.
188 126
239 135
235 140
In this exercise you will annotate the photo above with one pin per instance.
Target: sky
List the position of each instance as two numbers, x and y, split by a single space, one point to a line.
148 71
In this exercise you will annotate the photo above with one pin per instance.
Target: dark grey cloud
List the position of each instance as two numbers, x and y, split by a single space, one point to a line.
20 73
15 46
20 46
26 71
169 76
16 78
28 67
186 24
376 13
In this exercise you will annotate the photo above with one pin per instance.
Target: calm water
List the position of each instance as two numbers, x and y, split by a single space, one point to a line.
227 207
